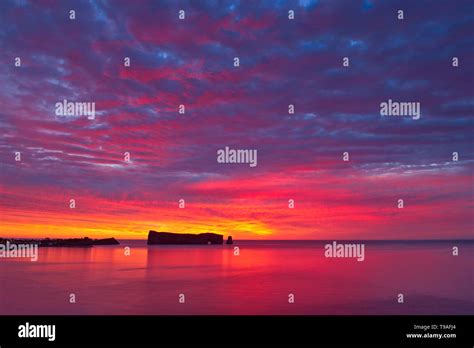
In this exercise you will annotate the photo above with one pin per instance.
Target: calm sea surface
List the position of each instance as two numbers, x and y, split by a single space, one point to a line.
214 281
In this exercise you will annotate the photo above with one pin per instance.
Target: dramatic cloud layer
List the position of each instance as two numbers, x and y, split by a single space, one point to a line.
282 62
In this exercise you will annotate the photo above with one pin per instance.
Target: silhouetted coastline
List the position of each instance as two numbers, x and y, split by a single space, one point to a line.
70 242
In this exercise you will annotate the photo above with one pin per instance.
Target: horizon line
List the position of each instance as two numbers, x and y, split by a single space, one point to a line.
275 240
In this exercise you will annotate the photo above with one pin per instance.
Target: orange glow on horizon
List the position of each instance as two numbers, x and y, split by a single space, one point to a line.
257 210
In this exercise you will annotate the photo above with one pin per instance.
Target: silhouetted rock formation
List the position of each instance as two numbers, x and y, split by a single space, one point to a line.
71 242
181 238
229 240
106 241
74 242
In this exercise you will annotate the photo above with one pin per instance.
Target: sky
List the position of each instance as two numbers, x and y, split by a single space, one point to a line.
282 61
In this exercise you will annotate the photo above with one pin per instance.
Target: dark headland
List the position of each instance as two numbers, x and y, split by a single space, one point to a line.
71 242
155 238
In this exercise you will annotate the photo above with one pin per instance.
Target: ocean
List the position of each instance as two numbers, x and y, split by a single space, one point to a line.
265 278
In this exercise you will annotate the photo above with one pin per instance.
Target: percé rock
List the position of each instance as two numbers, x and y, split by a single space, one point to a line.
229 240
184 238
